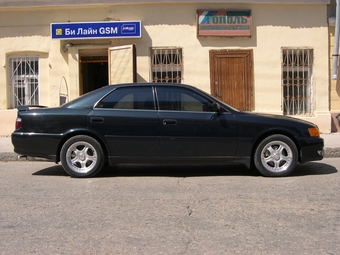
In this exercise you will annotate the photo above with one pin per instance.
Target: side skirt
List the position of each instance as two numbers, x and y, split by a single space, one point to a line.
246 161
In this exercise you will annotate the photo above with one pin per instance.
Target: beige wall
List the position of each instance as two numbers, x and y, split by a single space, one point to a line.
334 87
40 3
334 84
273 27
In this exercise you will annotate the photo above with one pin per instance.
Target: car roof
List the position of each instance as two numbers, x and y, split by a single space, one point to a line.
151 84
89 99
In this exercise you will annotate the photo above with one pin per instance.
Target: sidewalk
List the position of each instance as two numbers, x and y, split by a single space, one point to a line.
331 141
331 145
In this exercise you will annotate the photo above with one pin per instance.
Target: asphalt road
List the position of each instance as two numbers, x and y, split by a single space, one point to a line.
196 210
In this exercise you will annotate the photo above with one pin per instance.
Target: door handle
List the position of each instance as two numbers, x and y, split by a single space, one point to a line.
169 122
97 120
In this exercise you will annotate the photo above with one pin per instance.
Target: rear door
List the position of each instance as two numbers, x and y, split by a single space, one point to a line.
129 122
190 129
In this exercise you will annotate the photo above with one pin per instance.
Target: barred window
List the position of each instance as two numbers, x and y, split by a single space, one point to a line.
166 65
297 72
24 80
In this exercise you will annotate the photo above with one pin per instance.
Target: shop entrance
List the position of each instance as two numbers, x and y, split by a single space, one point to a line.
93 70
101 67
231 77
94 75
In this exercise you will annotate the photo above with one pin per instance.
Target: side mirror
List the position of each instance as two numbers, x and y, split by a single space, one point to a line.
216 107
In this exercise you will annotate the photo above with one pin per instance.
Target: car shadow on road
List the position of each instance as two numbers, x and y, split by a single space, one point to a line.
314 168
310 168
55 170
177 171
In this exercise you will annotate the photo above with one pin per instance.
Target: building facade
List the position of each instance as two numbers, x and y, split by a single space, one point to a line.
334 81
261 56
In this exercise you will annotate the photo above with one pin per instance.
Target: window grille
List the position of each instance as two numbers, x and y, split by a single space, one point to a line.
24 80
297 72
166 65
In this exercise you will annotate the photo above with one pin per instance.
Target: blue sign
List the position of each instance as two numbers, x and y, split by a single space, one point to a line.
96 30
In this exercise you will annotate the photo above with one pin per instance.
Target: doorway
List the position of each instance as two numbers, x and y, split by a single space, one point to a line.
93 70
231 77
104 66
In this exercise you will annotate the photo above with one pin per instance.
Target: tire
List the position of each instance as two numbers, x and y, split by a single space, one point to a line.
82 156
276 156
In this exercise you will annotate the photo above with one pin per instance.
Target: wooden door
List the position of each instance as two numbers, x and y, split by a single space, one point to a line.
231 77
122 64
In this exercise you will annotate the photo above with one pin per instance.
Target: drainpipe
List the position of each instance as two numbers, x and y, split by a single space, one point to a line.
336 41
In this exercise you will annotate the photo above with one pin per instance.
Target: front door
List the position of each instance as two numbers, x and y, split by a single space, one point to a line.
190 129
231 74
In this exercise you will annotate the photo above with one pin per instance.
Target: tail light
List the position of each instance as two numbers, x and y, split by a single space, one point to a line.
17 123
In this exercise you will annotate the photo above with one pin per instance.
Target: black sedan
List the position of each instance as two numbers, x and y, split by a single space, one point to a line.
154 123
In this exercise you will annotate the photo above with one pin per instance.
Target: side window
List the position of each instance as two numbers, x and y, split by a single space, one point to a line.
181 99
129 98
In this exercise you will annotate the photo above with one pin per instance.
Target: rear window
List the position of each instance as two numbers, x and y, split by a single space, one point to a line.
88 100
138 98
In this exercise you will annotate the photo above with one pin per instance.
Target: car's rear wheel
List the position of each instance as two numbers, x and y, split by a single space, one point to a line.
82 156
276 155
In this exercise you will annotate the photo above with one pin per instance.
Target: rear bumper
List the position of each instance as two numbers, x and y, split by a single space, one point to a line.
312 149
35 145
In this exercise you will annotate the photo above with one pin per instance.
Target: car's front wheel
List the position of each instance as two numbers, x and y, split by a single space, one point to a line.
82 156
276 155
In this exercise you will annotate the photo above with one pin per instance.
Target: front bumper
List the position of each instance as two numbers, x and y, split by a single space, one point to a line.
311 149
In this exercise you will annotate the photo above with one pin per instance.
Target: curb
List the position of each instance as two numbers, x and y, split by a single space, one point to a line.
331 152
11 156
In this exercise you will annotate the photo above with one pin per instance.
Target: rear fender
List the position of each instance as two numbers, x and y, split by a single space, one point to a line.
87 132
